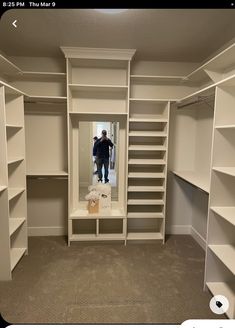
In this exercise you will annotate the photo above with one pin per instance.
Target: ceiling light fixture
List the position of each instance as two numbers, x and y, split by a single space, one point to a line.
111 11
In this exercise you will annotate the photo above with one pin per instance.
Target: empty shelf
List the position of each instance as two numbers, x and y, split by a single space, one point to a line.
47 173
145 215
97 87
225 170
15 160
148 120
147 148
153 100
195 178
51 99
145 202
104 236
149 175
7 67
226 254
229 126
227 290
144 235
147 134
13 192
14 126
2 188
138 161
157 78
14 224
145 188
228 213
16 254
82 213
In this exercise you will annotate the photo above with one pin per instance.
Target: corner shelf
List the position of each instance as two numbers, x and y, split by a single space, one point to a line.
15 160
13 192
227 213
2 188
14 224
8 68
226 254
16 254
226 289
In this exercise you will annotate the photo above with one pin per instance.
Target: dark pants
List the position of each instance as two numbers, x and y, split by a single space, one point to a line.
100 162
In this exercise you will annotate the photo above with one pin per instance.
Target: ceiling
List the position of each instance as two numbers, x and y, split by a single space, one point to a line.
190 35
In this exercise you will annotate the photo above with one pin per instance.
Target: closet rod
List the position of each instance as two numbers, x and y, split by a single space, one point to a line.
199 100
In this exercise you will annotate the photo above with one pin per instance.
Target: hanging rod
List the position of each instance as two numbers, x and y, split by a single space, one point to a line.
200 99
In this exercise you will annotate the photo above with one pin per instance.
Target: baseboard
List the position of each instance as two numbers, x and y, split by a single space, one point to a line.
199 239
179 230
47 231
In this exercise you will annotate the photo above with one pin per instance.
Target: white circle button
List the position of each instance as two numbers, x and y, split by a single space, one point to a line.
219 304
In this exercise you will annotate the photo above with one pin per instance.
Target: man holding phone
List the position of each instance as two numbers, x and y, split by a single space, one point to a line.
101 148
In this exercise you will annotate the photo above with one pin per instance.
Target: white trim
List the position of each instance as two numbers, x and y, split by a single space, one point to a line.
178 229
47 231
199 239
98 53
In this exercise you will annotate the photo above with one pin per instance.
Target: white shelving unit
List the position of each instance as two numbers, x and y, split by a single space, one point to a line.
220 252
97 90
147 160
13 231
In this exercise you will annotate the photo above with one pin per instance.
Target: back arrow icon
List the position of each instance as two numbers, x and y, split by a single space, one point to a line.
14 23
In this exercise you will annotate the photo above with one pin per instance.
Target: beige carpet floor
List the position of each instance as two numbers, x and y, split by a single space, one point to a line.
107 283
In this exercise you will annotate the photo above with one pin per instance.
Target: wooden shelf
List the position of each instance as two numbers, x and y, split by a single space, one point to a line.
145 202
147 134
82 213
148 120
2 188
147 148
13 192
47 174
146 189
146 162
227 290
145 215
96 87
16 254
15 160
226 254
195 178
144 236
228 213
94 237
225 170
146 175
14 224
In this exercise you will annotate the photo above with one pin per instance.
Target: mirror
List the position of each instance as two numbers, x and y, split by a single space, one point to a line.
88 165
